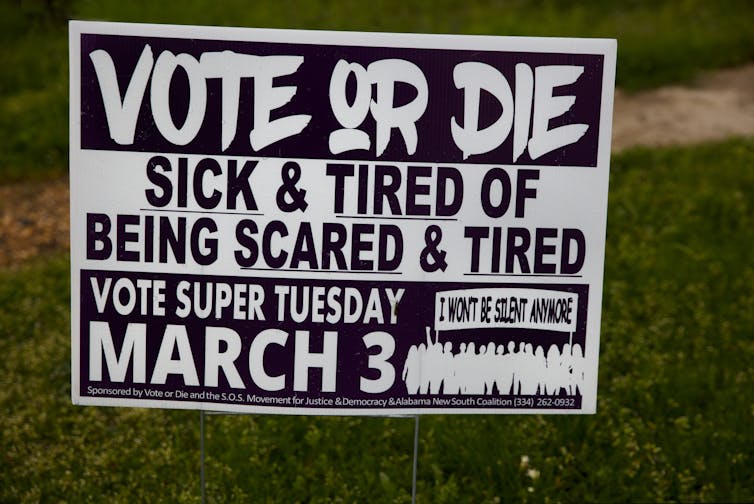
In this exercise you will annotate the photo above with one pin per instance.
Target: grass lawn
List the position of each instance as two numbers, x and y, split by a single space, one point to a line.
659 41
675 405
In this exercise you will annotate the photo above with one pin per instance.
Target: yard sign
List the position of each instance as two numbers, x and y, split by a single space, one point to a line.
307 222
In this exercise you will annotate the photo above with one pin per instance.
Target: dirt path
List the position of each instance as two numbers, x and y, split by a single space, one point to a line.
717 106
33 220
34 217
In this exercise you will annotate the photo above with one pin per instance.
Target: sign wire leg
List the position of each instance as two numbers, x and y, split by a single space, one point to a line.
201 455
416 459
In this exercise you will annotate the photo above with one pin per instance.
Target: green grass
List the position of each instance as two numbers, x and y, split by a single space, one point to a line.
658 42
675 401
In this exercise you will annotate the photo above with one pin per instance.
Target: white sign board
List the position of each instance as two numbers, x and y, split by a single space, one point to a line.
337 223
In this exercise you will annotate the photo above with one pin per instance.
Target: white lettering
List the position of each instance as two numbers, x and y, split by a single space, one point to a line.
256 359
547 106
122 115
473 77
379 362
215 359
134 345
304 359
162 75
175 336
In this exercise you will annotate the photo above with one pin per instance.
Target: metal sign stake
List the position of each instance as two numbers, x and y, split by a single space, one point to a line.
201 455
416 459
